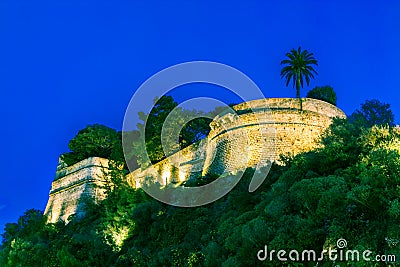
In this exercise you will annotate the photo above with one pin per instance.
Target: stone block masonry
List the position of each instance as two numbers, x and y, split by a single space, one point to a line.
261 130
176 169
72 184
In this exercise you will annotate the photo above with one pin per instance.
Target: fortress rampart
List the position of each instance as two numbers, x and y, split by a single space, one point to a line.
72 184
177 168
265 129
259 131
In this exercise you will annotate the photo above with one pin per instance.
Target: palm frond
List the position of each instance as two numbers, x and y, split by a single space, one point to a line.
297 66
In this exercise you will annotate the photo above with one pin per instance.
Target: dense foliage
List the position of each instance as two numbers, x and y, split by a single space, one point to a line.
94 141
373 112
153 123
324 93
347 189
101 141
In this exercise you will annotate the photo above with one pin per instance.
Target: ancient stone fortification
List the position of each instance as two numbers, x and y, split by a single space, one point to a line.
175 169
265 129
72 184
257 132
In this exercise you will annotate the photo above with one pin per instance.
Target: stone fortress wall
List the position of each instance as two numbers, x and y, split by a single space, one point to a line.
265 129
259 132
177 168
72 184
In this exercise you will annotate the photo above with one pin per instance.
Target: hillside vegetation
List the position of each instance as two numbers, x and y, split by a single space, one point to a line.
348 189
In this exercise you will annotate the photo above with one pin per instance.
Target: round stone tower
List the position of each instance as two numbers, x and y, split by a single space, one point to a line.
262 130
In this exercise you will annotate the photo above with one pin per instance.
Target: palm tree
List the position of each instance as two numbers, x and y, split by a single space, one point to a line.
297 68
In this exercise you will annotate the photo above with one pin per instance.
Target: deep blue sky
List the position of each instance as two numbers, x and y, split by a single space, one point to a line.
66 64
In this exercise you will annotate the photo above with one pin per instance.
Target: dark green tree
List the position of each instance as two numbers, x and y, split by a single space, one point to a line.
297 68
372 112
27 242
94 141
324 93
152 126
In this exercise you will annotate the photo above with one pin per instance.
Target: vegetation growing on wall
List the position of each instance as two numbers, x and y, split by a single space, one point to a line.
152 124
101 141
94 141
324 93
347 189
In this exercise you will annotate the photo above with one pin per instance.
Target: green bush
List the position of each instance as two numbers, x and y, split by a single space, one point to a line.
94 141
324 93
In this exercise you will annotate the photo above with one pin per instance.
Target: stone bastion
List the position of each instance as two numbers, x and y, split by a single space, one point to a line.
253 133
262 130
72 184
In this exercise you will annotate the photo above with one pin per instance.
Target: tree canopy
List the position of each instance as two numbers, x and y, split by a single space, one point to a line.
101 141
94 141
152 126
324 93
372 112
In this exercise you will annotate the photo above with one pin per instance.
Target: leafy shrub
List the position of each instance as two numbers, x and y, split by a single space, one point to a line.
324 93
94 141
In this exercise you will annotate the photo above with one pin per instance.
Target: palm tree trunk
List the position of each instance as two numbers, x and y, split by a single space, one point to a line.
298 93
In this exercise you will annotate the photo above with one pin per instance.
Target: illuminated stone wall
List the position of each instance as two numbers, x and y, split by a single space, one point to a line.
265 129
261 130
71 185
175 169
